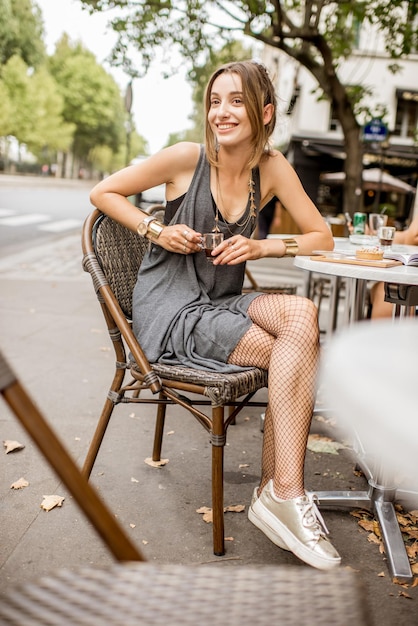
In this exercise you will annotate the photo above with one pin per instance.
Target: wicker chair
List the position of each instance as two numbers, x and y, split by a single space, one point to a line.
112 255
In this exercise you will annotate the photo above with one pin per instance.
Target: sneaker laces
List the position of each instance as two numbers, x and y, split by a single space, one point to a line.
312 518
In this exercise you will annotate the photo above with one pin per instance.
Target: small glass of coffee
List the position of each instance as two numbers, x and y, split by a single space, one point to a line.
210 241
386 235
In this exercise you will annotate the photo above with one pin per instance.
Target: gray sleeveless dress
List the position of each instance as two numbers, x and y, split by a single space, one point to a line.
185 310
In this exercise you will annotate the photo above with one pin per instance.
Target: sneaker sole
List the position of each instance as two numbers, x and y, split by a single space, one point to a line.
290 543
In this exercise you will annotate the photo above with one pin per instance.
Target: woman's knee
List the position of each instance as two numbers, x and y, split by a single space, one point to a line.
303 317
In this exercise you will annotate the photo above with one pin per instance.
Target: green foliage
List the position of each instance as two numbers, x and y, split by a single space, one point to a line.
66 102
34 108
21 32
92 100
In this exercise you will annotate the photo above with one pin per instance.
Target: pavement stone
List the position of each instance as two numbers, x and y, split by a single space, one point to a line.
53 334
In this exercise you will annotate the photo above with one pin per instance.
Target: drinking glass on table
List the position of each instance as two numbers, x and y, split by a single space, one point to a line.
210 241
386 235
376 220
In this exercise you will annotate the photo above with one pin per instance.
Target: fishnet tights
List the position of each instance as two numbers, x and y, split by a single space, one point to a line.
284 339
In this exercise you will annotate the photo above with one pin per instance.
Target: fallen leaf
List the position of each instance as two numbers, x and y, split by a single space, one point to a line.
50 502
382 574
159 463
414 568
373 539
134 480
317 443
412 533
237 508
171 432
12 446
229 539
367 524
19 484
412 550
242 465
415 583
145 542
208 515
403 594
402 520
132 525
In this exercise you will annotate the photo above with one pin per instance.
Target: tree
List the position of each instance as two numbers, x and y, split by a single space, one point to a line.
319 34
92 99
33 111
21 32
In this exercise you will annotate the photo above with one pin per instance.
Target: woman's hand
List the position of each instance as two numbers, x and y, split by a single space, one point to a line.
235 250
180 238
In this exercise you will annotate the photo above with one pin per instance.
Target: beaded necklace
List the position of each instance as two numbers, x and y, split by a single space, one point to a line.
252 214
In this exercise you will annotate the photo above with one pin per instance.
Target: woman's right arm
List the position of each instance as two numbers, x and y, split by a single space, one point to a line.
173 167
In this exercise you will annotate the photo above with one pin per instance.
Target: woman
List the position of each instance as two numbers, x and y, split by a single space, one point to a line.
203 319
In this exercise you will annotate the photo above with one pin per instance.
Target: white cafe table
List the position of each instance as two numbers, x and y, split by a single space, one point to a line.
401 288
401 284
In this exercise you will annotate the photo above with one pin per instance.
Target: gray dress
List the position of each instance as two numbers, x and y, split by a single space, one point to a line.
187 311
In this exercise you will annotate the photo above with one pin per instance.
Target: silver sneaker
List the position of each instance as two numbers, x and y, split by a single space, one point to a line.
295 525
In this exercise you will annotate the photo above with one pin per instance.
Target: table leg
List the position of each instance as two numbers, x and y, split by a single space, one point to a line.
379 500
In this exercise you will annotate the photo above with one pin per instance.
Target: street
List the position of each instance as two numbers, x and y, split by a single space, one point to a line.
35 210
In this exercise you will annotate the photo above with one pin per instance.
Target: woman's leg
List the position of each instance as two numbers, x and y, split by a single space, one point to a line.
285 340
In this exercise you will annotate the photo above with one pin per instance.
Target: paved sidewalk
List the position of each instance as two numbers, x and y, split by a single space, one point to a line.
53 334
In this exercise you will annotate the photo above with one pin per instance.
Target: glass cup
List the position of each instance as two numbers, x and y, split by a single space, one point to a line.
210 241
376 220
386 235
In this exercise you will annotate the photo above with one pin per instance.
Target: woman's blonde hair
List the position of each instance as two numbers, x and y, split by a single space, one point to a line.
258 90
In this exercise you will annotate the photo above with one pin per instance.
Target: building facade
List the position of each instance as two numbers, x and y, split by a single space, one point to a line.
311 137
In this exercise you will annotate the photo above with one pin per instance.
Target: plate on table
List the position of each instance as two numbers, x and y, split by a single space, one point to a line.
363 240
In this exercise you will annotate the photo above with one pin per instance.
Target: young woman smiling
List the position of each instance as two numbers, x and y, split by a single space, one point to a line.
204 320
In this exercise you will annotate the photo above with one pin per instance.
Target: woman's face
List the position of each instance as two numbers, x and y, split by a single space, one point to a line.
227 115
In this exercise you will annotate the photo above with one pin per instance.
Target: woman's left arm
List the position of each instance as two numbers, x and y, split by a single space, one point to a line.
280 179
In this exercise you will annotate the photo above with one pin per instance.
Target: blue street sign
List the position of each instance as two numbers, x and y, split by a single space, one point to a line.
375 130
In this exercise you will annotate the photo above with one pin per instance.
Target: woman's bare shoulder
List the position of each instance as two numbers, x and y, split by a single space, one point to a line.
185 154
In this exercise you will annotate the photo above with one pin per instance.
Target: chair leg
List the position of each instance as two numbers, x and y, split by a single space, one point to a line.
218 444
159 431
101 427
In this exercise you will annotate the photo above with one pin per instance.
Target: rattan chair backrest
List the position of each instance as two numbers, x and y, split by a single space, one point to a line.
119 252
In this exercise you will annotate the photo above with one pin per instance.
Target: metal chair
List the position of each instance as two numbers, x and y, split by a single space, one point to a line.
112 255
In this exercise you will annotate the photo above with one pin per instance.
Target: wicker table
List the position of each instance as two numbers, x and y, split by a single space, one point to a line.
171 595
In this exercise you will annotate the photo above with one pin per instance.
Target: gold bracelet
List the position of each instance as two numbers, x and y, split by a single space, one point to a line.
155 228
291 247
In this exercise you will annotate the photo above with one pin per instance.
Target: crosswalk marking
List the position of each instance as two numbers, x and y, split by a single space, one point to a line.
42 221
24 220
60 226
